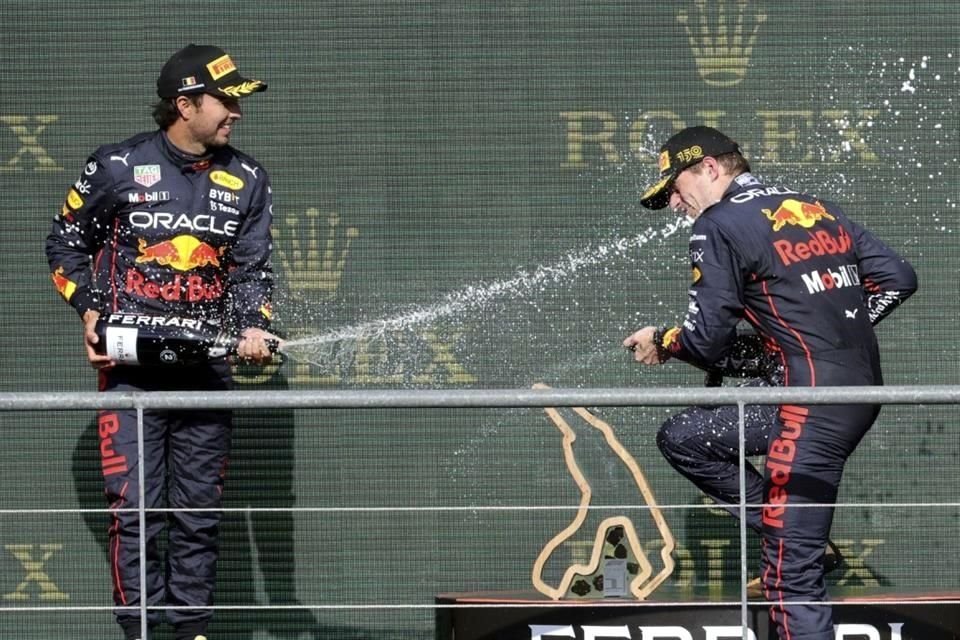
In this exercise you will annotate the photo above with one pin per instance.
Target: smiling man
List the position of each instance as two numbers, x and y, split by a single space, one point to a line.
177 223
812 283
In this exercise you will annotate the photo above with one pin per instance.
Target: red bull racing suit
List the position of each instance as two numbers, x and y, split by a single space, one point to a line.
150 229
813 283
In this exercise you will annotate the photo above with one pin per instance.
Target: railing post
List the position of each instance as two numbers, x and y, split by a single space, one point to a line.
741 436
142 524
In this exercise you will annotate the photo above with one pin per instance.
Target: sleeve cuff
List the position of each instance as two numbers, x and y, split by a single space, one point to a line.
665 340
83 300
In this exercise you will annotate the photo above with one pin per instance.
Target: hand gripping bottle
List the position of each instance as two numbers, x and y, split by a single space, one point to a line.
135 339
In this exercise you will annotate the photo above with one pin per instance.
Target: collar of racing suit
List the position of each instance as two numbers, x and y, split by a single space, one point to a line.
186 161
739 183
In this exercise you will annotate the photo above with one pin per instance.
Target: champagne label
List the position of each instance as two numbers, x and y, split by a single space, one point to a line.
122 344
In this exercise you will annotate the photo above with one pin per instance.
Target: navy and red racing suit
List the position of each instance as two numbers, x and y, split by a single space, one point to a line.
813 283
150 229
703 442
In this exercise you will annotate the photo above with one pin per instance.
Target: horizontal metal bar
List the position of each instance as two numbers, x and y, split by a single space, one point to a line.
535 604
486 508
478 398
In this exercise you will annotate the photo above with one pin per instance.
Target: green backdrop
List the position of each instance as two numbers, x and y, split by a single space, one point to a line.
456 193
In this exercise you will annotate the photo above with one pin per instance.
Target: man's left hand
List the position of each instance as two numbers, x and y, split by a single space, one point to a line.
253 345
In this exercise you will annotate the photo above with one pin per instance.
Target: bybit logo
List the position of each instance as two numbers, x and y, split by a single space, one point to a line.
315 255
721 37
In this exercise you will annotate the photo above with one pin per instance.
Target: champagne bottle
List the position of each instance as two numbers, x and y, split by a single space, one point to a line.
136 339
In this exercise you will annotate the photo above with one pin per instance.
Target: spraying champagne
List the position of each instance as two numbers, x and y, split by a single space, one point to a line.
135 339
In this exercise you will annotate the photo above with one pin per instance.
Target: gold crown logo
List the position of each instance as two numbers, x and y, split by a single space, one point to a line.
721 38
317 251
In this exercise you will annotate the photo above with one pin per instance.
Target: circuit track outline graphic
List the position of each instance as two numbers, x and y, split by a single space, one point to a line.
645 582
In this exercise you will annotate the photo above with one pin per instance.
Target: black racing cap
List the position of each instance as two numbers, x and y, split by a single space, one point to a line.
683 150
204 69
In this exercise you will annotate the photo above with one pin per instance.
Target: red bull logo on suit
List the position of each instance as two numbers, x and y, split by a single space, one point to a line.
797 212
183 253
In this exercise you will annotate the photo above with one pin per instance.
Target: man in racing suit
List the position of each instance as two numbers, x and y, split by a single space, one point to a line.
173 222
812 283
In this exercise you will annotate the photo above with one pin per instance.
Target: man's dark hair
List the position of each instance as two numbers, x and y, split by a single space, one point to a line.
734 163
165 112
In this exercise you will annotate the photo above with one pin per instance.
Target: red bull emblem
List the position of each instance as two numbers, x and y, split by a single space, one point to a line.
797 213
65 286
191 288
183 253
670 339
112 462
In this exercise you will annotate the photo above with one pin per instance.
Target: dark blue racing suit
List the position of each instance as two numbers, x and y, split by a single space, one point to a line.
149 229
703 442
812 283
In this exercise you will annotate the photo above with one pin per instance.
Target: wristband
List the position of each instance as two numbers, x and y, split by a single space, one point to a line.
662 338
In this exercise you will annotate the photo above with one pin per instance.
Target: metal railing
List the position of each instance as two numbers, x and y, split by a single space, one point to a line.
473 398
481 398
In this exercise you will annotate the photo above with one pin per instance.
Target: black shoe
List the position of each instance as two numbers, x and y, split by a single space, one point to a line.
131 629
832 558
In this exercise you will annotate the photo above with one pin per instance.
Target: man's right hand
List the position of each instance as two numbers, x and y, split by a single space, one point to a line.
90 339
643 345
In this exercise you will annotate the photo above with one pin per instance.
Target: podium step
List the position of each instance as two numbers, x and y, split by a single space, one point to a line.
530 616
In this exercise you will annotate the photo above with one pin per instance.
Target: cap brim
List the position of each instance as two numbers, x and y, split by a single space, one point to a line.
240 89
658 195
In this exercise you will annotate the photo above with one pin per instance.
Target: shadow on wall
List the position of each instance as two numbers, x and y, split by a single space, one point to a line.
257 565
711 556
